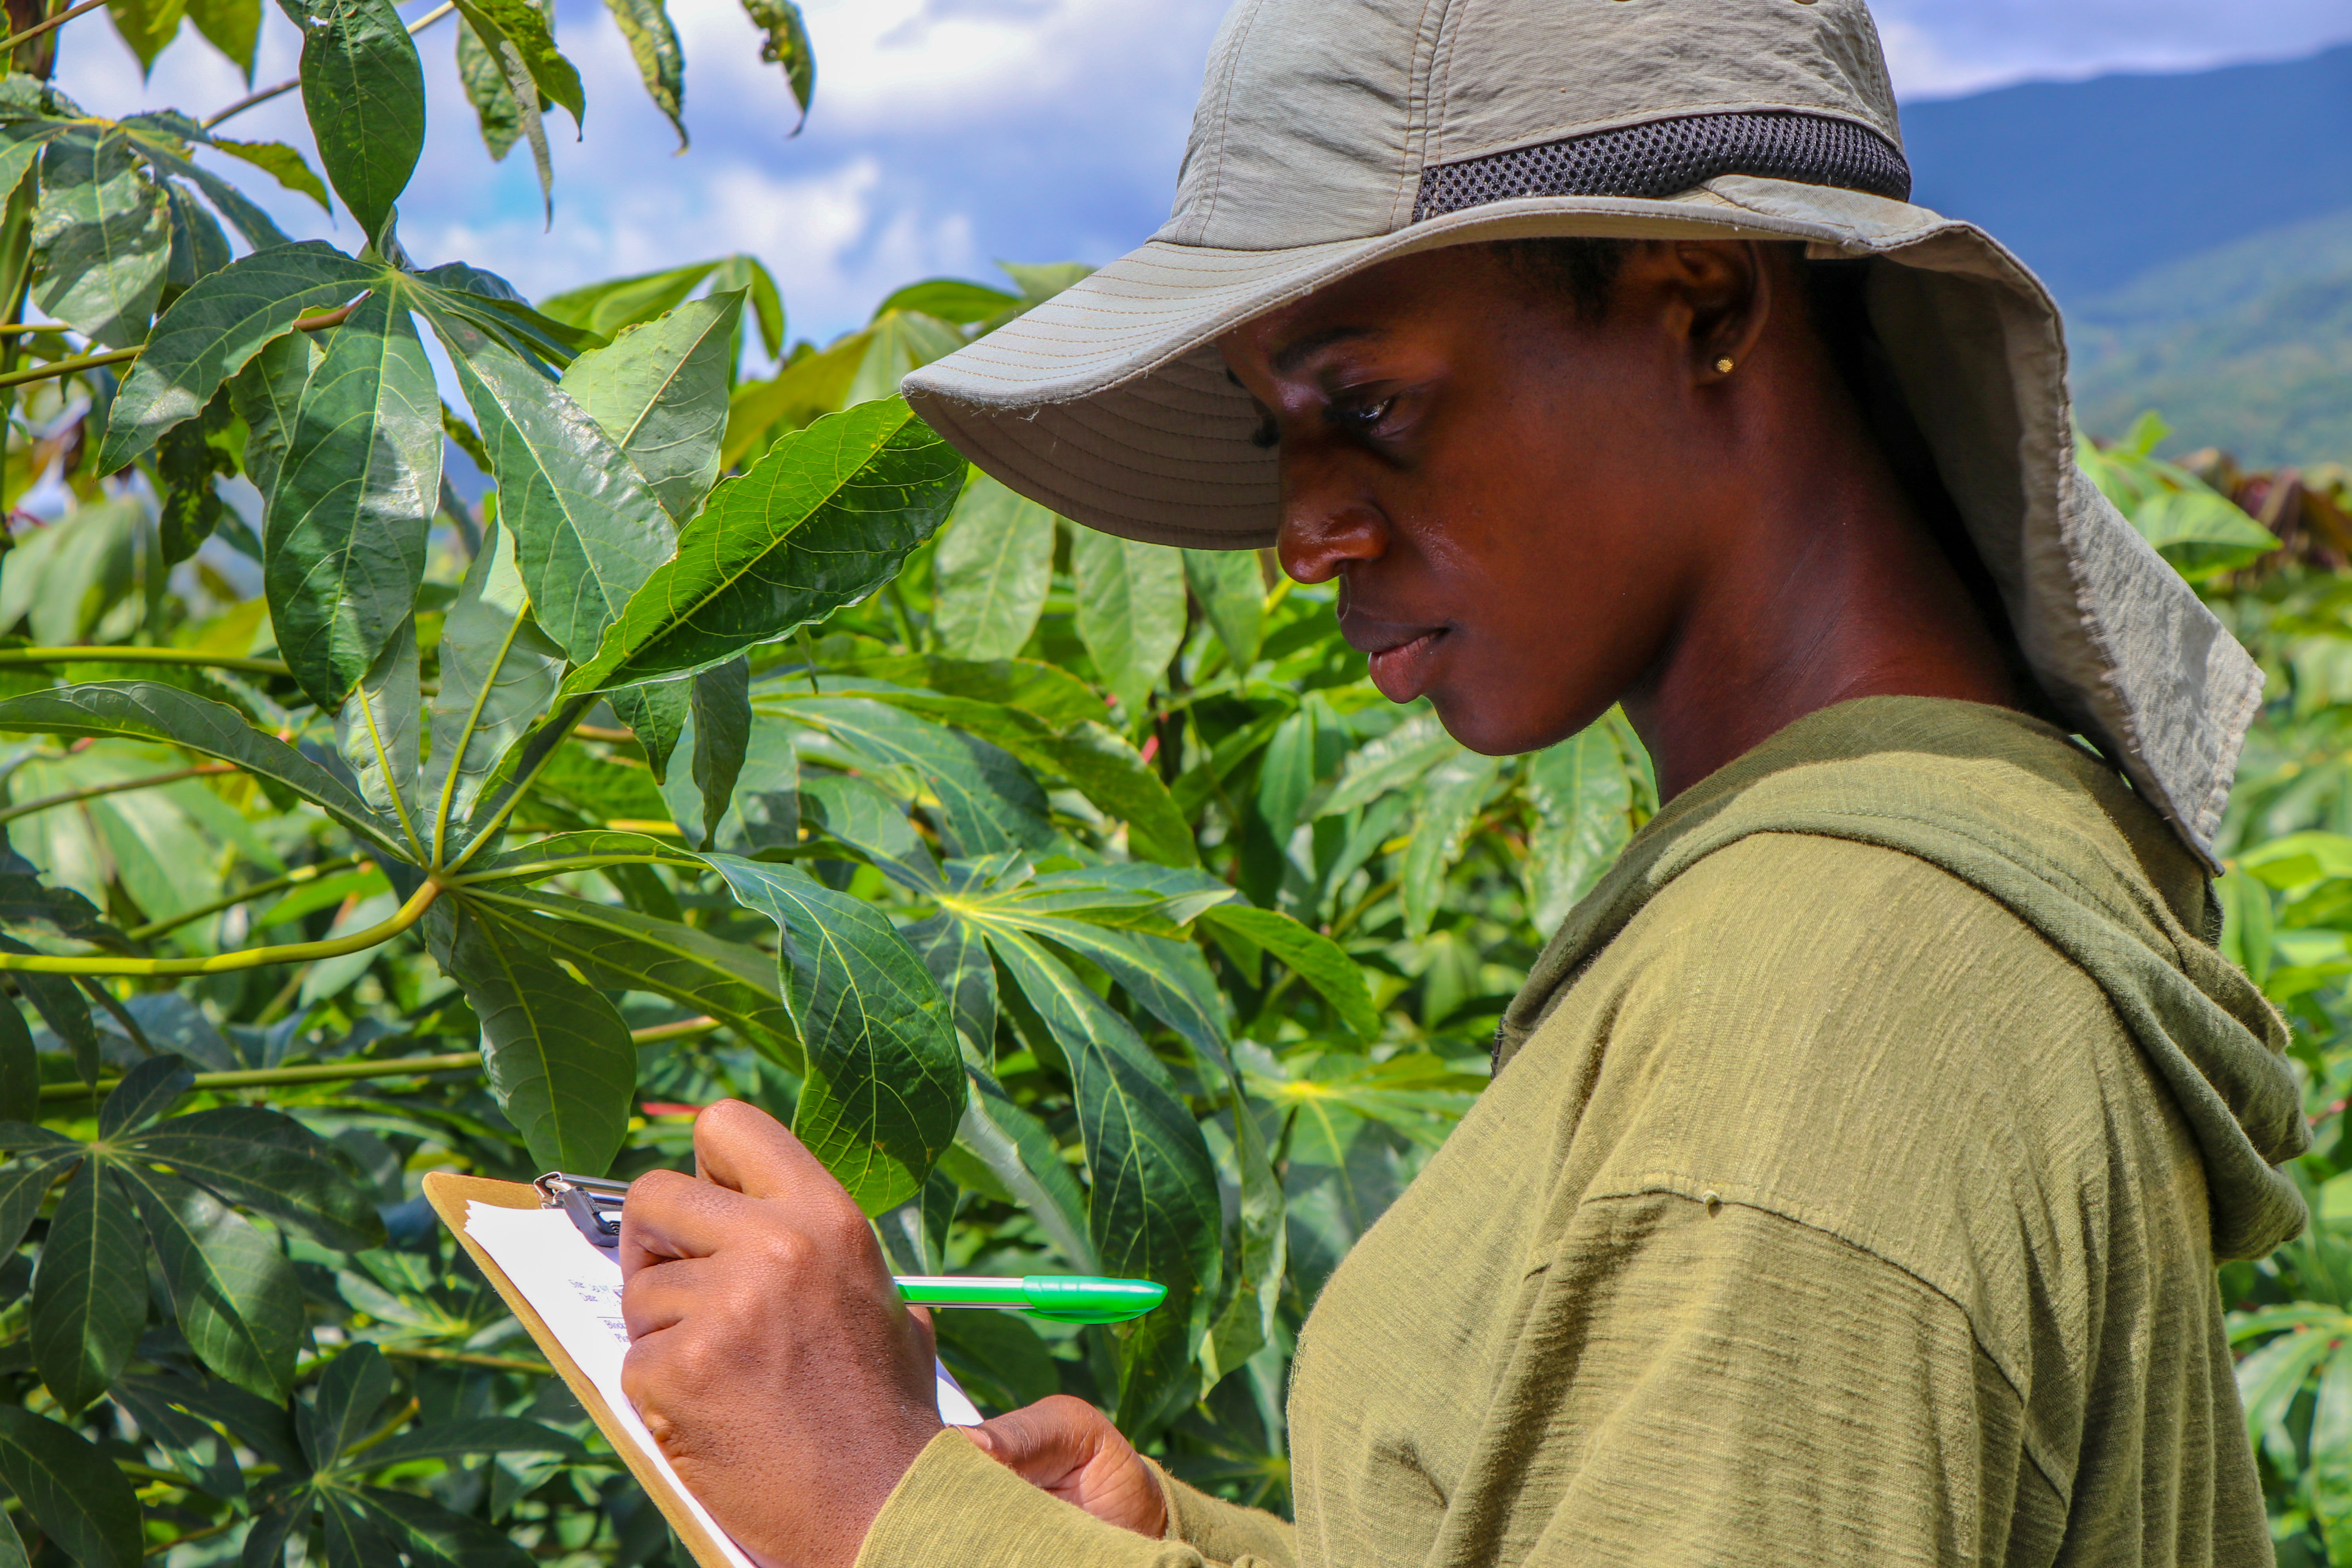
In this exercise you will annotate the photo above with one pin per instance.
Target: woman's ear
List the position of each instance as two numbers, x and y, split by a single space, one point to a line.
1724 289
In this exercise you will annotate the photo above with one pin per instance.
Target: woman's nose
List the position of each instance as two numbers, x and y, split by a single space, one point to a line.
1325 525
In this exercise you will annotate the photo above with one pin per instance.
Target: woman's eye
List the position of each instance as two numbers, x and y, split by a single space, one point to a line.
1363 418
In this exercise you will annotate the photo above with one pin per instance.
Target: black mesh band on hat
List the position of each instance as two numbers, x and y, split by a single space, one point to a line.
1664 157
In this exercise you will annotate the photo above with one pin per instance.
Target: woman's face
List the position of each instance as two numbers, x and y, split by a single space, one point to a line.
1514 498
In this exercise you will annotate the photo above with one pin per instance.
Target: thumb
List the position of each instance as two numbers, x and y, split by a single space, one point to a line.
1041 1442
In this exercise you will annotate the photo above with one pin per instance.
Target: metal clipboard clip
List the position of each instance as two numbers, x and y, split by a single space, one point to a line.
592 1201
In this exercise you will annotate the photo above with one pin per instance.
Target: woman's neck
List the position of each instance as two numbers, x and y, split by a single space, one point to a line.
1824 585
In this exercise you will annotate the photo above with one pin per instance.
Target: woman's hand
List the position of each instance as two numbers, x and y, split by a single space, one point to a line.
1071 1450
769 1355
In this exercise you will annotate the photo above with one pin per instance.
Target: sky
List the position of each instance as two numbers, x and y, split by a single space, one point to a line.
950 133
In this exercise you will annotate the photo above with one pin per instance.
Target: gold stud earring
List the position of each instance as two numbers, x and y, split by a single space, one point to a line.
1722 365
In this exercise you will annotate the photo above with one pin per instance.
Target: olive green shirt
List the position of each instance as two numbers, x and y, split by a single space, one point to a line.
1849 1192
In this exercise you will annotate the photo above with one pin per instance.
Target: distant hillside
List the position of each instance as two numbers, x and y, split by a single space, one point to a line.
2248 346
2197 228
2093 183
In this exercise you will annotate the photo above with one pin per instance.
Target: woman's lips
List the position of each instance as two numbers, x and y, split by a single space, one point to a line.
1402 670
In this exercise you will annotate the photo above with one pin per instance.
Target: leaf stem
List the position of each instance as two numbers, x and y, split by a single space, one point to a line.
9 45
473 1358
294 878
92 792
59 367
381 1433
539 869
683 1029
406 916
142 655
255 100
231 1522
352 1072
317 1072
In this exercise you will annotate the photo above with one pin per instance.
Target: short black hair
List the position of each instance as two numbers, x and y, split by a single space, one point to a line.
1583 272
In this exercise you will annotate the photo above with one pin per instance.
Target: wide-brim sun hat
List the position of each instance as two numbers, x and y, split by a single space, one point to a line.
1333 135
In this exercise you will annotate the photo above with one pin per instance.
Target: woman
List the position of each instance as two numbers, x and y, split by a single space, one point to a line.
1859 1154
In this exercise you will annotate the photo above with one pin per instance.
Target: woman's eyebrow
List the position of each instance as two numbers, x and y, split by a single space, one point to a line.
1290 358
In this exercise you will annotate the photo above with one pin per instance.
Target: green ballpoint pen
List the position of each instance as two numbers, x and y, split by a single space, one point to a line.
1059 1298
594 1205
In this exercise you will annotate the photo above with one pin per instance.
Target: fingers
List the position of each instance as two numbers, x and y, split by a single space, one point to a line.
1042 1443
669 1216
743 1147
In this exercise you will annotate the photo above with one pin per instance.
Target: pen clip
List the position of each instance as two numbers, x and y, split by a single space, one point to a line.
592 1201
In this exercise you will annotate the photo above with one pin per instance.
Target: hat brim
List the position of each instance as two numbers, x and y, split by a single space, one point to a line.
1110 405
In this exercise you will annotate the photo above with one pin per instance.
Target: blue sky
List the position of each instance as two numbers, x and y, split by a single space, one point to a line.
948 132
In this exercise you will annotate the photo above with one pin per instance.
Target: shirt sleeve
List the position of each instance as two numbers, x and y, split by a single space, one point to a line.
1721 1383
957 1505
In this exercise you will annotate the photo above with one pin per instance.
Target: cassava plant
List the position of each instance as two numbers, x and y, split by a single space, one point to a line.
1078 901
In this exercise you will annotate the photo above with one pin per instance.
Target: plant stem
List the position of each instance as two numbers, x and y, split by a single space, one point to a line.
382 1432
683 1029
408 915
317 1072
93 791
36 327
470 1358
56 368
352 1072
231 1522
142 655
9 45
255 100
540 868
294 878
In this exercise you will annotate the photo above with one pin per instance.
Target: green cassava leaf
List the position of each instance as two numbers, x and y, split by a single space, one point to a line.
463 1438
1232 593
147 26
1583 799
988 802
212 330
82 1503
376 734
105 233
281 162
525 27
993 566
90 1289
198 246
499 674
717 735
236 1295
659 393
588 530
149 710
1154 1211
232 26
605 308
787 45
956 955
363 90
884 1088
24 1183
344 543
1456 792
482 73
20 1081
653 44
146 1093
1017 1149
431 1533
1318 961
558 1056
268 1162
826 518
1131 605
351 1391
619 948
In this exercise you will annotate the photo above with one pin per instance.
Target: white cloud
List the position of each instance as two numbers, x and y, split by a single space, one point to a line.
948 132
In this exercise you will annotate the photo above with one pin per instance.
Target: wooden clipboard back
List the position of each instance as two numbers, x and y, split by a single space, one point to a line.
449 1193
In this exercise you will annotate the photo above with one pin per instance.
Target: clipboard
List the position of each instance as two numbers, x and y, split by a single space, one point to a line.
449 1193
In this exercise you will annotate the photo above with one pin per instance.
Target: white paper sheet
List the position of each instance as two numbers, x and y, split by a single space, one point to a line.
576 1287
